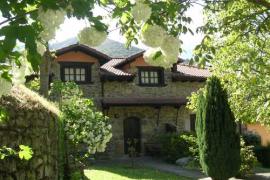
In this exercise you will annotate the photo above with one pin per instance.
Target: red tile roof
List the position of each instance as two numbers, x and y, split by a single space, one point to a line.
187 70
182 72
110 67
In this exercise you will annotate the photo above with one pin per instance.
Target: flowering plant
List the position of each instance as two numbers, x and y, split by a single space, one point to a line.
141 12
91 36
83 123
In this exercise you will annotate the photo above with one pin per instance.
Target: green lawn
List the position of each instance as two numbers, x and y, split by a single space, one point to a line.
122 172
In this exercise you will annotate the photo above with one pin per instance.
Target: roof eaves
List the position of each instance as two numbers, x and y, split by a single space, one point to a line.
83 48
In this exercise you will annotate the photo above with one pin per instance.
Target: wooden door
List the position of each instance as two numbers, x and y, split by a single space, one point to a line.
132 134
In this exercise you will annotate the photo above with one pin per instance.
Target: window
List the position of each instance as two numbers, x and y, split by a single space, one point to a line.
74 74
192 122
151 77
78 72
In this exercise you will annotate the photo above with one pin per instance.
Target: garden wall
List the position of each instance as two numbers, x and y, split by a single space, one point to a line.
33 122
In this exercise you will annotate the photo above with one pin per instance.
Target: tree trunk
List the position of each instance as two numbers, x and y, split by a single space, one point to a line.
45 69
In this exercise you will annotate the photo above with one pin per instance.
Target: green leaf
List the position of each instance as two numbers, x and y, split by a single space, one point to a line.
25 152
157 55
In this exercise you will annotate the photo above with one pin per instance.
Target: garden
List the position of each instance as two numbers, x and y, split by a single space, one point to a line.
50 130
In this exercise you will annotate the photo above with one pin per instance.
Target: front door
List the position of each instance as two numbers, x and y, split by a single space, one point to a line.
132 134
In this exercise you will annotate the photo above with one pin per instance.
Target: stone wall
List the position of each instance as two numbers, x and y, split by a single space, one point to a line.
91 90
33 122
132 89
147 115
150 124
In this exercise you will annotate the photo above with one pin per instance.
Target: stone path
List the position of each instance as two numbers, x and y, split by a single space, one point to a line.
163 166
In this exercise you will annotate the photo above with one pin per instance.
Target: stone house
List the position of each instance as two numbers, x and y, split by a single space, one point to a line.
140 100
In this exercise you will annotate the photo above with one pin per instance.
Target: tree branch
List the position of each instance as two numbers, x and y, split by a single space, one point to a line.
16 17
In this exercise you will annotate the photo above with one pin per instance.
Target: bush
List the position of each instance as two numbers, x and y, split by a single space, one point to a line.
248 160
219 143
175 146
252 139
263 155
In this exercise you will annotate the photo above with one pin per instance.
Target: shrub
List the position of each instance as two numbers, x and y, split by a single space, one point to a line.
83 123
175 146
248 160
263 155
252 139
219 143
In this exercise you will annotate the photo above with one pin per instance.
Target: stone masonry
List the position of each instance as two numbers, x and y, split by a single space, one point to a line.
34 122
150 124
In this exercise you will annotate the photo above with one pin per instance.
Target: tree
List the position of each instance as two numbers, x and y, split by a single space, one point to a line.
236 46
228 23
219 143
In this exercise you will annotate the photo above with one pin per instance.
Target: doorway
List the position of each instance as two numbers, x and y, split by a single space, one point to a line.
132 134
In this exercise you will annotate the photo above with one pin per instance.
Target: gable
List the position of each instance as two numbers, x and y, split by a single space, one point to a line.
76 56
139 61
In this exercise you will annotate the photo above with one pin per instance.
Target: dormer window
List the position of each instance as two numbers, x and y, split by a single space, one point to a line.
151 76
78 72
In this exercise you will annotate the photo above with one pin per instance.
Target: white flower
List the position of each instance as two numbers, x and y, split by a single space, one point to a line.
50 21
71 137
5 86
151 57
92 151
152 35
19 73
40 48
141 12
170 47
101 148
91 36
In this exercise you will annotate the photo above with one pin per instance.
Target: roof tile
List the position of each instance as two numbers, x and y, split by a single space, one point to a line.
187 70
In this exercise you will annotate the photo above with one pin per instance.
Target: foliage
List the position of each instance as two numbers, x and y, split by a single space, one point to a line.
248 160
34 84
3 115
61 150
252 139
83 124
236 46
33 23
236 38
263 155
193 99
175 146
219 143
77 175
24 152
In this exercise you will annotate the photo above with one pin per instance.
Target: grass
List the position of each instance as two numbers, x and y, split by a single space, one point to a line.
122 172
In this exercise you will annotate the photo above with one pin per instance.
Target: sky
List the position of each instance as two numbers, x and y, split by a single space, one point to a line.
71 27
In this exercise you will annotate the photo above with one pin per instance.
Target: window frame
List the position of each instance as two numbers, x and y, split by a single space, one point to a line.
75 65
158 70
